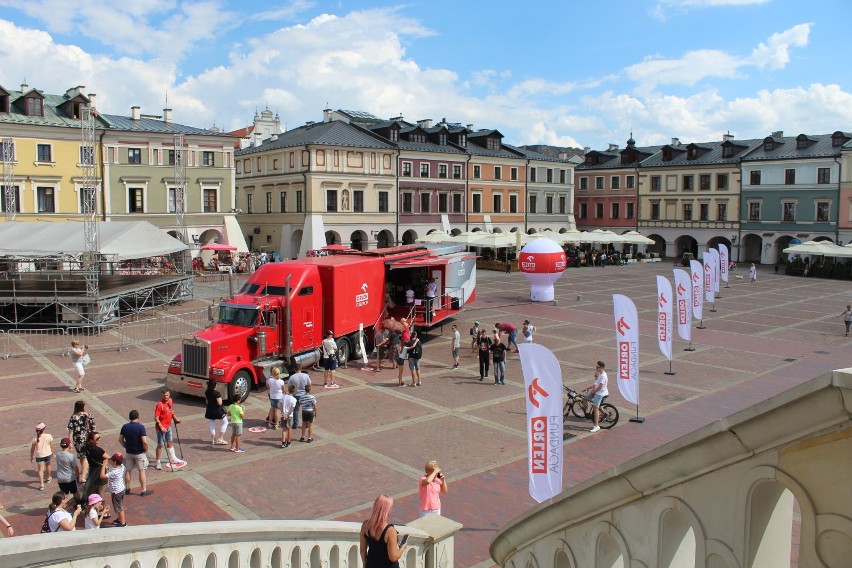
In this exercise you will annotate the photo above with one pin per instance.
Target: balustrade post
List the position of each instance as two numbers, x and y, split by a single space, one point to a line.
440 546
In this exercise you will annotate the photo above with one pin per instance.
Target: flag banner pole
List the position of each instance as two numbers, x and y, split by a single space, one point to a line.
670 372
701 324
638 419
713 306
690 348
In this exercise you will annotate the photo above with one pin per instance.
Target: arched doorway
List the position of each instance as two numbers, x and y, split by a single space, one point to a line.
455 232
659 245
531 231
358 240
498 230
332 238
686 243
716 241
779 245
752 248
409 237
770 528
384 239
295 243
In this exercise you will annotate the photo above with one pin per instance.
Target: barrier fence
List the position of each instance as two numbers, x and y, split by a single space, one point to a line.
144 329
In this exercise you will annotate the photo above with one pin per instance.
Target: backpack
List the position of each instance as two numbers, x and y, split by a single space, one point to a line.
45 526
417 351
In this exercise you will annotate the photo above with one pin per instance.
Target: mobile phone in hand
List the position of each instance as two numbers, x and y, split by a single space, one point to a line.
402 540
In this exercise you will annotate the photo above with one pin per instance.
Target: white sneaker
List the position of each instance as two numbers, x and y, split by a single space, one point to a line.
158 466
595 429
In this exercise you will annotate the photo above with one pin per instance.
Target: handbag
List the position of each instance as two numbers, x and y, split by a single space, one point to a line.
404 353
85 359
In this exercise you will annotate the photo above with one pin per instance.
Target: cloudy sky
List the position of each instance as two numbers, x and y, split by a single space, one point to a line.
547 71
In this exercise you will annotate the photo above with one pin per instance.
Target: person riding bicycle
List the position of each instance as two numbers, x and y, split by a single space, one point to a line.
596 393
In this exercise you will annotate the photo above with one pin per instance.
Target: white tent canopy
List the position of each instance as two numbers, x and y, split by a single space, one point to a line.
818 248
119 240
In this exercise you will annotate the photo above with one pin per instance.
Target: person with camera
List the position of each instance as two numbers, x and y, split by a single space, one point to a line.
79 360
432 484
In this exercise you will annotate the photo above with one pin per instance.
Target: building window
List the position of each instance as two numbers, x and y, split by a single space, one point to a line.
210 203
722 182
704 182
656 183
457 172
299 203
498 203
457 203
599 210
358 201
513 174
407 202
548 204
172 199
615 211
533 208
513 203
406 169
584 211
823 175
562 204
249 203
477 172
43 153
615 182
628 214
331 200
754 177
728 151
584 183
790 176
688 183
789 214
12 153
269 202
45 200
85 193
704 211
822 211
687 211
532 174
562 177
498 172
599 182
207 159
493 143
35 106
754 211
631 182
655 211
443 203
87 156
424 170
549 175
722 212
384 202
170 154
442 171
135 198
134 155
442 139
425 201
282 201
477 203
394 135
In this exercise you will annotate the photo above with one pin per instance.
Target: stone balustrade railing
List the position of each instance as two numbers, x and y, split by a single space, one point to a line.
226 544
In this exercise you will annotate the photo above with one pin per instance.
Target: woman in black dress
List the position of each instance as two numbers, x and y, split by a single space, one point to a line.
216 414
379 546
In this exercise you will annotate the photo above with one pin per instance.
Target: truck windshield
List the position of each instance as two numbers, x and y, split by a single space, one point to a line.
236 315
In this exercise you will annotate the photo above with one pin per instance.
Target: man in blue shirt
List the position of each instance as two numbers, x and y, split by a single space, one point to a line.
134 440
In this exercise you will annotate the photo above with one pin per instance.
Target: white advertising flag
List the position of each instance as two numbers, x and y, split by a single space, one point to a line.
697 273
664 316
683 293
707 264
543 388
627 344
723 261
717 270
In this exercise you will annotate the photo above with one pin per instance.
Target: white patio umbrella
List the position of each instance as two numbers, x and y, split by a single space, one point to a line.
436 237
847 251
606 237
634 238
468 238
817 248
494 240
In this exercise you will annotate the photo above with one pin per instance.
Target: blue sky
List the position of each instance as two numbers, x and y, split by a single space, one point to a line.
554 72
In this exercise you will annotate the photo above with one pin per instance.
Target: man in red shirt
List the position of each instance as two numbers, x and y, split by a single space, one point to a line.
164 413
512 331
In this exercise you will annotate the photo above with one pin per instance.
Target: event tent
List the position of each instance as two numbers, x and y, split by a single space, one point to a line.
119 240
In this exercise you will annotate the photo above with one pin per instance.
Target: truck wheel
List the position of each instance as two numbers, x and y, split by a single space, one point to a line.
355 339
343 351
239 387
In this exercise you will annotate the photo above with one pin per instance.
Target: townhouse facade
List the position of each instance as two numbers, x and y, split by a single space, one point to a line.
790 192
549 192
135 165
689 196
844 205
606 187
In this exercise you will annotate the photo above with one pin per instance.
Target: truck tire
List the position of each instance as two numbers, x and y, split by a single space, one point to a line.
344 349
355 340
240 386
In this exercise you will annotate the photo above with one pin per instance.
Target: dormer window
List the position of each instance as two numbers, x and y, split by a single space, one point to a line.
768 145
35 106
442 139
493 143
394 135
727 150
4 101
417 137
802 142
838 139
462 140
692 153
593 159
627 158
667 154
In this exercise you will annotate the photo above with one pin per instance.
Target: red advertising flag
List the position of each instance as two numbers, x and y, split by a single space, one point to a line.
543 389
627 346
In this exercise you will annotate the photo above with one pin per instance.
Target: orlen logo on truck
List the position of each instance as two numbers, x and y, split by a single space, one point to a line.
363 298
528 263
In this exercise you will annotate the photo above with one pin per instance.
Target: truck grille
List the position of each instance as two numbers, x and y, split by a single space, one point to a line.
196 358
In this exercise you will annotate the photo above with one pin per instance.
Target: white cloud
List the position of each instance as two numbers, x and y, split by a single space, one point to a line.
775 53
664 8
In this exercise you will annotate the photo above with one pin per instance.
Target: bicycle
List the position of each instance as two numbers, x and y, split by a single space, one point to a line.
574 405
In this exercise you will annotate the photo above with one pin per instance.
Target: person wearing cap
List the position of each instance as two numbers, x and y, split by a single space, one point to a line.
95 512
474 338
329 362
114 475
41 453
67 469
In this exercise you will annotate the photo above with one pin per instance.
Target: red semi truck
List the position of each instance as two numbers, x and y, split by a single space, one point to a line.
281 314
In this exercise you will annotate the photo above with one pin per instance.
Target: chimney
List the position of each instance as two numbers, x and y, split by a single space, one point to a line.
443 122
135 112
675 141
92 97
612 148
778 134
469 127
586 150
425 123
326 115
167 115
727 137
24 87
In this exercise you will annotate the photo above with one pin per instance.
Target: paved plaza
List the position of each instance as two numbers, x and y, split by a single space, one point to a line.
372 437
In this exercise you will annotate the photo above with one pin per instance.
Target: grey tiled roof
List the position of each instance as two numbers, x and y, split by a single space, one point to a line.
154 126
53 116
334 133
644 153
712 154
533 155
504 152
429 147
822 148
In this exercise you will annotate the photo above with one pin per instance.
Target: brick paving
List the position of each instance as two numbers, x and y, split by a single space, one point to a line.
372 437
